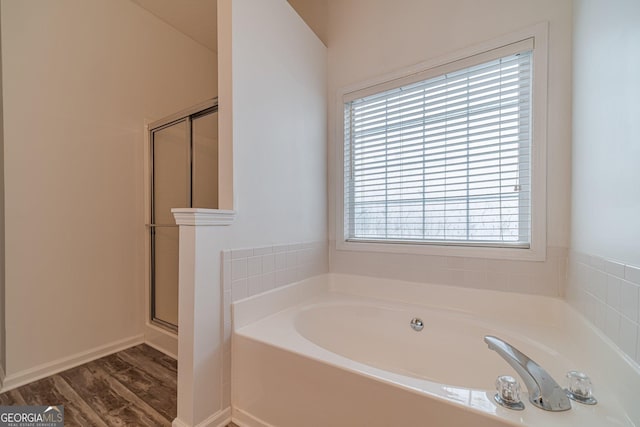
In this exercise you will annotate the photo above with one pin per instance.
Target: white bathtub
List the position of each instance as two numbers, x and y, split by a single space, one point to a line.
338 350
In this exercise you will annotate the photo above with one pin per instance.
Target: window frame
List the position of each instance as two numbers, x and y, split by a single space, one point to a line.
458 60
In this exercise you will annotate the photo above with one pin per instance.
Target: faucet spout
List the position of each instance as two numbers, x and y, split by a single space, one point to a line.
544 391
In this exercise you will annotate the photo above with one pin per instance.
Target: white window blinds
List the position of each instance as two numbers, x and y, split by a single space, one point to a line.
444 160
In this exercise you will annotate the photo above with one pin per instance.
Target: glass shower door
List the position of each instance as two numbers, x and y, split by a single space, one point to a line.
205 160
184 174
171 188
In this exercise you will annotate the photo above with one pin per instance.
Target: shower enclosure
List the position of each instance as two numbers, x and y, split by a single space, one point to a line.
184 173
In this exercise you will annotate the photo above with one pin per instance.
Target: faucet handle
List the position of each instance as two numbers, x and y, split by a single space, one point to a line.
579 388
508 394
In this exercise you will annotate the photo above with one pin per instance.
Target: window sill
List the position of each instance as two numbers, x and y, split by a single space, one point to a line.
516 254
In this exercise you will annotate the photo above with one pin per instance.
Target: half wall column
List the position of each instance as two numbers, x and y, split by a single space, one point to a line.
199 318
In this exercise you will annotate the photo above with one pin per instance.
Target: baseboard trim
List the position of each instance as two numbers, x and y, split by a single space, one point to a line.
50 368
244 419
161 349
219 419
161 340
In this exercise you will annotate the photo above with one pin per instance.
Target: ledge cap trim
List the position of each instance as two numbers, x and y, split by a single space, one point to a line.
198 216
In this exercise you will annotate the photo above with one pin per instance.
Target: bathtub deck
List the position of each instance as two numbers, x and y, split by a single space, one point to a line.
349 336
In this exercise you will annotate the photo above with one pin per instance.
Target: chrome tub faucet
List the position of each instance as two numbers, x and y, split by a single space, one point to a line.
544 391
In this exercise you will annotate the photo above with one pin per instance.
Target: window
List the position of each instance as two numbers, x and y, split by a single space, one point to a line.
444 157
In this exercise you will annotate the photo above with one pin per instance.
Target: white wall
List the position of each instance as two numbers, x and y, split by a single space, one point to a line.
605 226
80 78
272 127
2 245
606 125
315 14
278 73
279 104
371 38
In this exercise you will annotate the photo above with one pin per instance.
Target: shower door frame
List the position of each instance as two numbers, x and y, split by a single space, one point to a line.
187 116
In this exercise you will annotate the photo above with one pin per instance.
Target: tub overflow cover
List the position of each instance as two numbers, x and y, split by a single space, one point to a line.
416 324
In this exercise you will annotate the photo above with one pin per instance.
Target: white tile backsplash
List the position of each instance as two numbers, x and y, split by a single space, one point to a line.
226 273
241 253
628 335
612 324
597 262
254 285
292 258
614 268
280 248
629 300
281 260
226 302
238 269
601 315
613 292
254 266
263 251
598 283
239 289
250 271
268 263
607 293
638 346
632 274
268 280
283 277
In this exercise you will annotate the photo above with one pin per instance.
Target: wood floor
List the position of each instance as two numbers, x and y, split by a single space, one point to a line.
135 387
